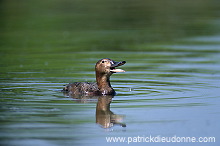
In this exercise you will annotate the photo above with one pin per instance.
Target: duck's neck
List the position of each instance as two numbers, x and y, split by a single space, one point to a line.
103 82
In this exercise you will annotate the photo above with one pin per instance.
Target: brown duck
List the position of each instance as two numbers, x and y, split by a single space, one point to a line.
104 68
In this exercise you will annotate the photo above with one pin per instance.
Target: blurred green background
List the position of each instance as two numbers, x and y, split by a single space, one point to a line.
49 26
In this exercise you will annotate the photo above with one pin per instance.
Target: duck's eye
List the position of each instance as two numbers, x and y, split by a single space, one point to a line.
103 61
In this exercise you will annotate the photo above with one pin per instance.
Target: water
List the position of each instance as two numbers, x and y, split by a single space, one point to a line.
170 87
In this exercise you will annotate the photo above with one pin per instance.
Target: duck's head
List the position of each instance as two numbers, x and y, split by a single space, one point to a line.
108 66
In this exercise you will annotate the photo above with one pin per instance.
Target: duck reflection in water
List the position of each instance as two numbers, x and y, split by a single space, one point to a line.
101 90
104 116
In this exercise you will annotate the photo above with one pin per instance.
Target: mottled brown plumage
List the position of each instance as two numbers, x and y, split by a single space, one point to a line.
104 69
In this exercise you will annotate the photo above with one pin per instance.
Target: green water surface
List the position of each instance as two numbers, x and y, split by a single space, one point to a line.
170 87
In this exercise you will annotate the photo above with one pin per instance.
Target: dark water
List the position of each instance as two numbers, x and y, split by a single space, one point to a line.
170 87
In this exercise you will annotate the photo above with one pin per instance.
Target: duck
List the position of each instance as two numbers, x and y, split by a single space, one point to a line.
104 68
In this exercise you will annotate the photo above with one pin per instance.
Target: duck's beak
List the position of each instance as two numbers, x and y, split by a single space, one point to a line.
116 64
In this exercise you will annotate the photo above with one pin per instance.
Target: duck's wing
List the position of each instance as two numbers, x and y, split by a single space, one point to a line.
81 88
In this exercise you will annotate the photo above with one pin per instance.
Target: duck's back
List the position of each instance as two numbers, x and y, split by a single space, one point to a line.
82 88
